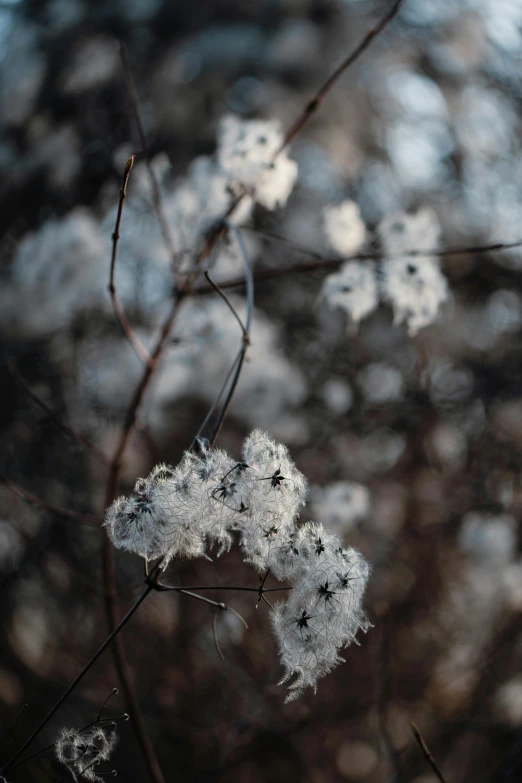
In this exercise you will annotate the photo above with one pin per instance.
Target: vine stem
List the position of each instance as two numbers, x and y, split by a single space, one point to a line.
220 227
320 263
139 349
34 500
112 636
52 415
109 570
427 753
314 105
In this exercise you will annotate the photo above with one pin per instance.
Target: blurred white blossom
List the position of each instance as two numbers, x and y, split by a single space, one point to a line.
352 289
247 154
82 751
340 505
344 229
415 287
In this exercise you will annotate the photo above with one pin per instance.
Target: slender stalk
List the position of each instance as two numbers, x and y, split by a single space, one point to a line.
246 333
65 427
139 349
162 588
112 636
220 227
228 303
216 400
214 632
313 106
321 263
156 190
34 500
427 753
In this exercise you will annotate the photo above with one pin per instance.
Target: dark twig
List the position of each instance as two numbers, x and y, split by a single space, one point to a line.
34 500
112 636
228 303
220 227
217 399
334 263
6 753
427 753
139 349
246 333
214 632
156 190
52 415
120 660
314 105
129 424
321 263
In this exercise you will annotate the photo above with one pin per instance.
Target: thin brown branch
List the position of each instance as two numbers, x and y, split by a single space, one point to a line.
427 753
139 349
111 638
34 500
229 304
52 415
321 264
246 334
214 633
120 660
156 190
220 227
313 106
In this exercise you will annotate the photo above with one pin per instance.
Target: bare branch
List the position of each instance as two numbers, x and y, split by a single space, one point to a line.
80 677
427 753
220 228
314 105
139 349
34 500
65 427
214 632
320 263
246 333
156 190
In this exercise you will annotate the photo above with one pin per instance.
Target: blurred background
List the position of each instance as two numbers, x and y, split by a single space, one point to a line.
412 445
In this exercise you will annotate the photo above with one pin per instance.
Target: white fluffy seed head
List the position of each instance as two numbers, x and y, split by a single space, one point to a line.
353 289
344 229
246 150
323 612
207 498
82 751
415 287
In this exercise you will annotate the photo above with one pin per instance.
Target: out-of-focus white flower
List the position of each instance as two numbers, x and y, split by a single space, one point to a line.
344 229
82 751
381 383
489 539
59 267
337 395
415 287
340 505
246 151
352 289
508 702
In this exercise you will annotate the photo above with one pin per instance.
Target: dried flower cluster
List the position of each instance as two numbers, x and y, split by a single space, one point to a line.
205 500
82 751
414 287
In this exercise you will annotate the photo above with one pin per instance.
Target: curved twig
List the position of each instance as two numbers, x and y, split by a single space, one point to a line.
246 333
52 415
139 349
34 500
